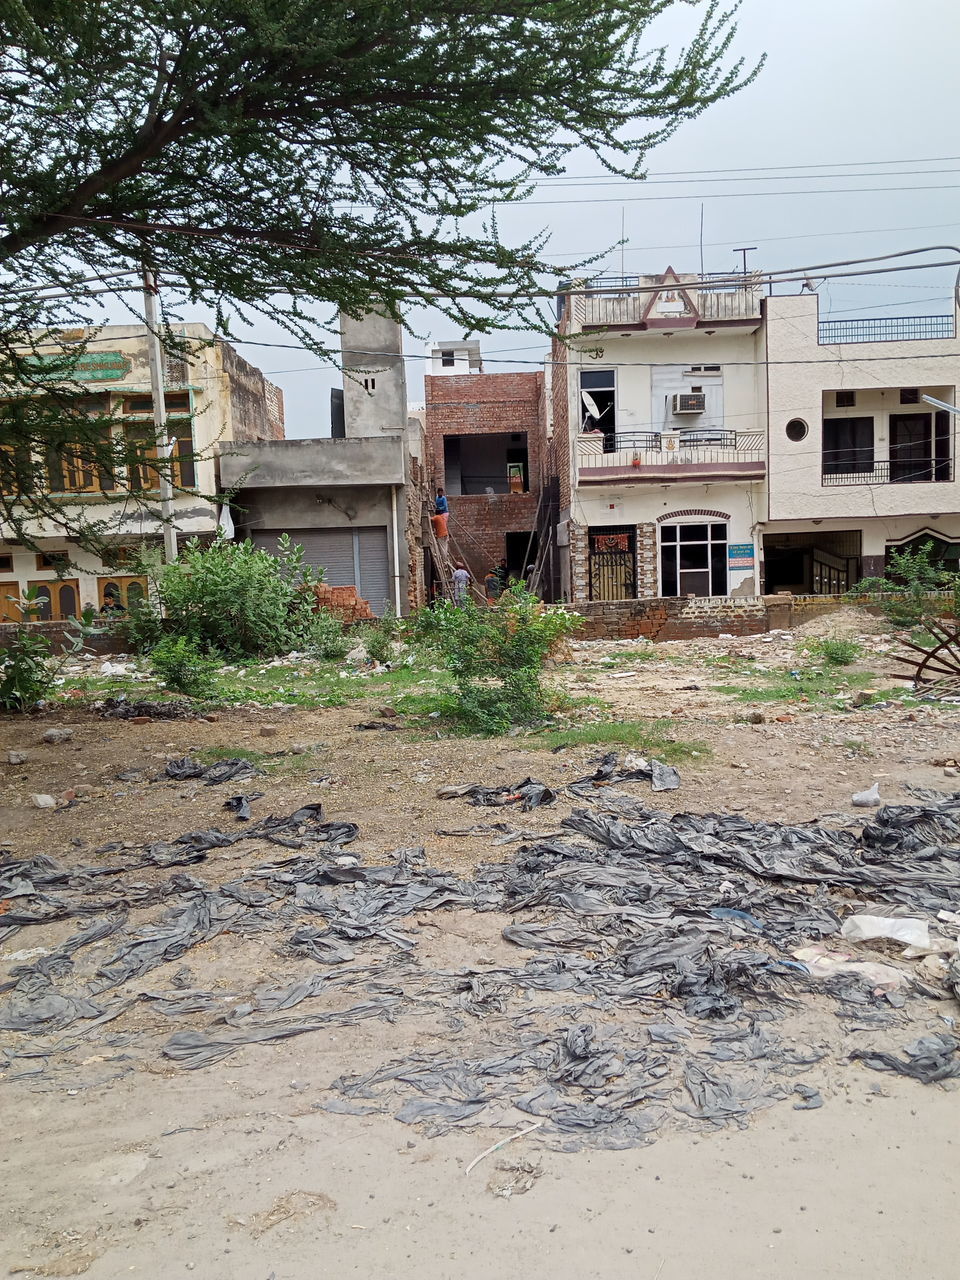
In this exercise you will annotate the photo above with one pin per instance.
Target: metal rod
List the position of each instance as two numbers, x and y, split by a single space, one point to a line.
164 443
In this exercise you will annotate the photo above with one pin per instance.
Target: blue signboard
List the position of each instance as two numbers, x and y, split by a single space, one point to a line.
740 555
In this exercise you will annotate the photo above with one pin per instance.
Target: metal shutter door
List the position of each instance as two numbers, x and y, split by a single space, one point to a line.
374 568
329 549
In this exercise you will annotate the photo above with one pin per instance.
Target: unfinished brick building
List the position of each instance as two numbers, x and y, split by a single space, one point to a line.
487 445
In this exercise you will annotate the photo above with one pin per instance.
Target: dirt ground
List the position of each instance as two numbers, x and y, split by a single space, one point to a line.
130 1166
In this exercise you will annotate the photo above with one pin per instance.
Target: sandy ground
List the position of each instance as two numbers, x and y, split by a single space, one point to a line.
135 1167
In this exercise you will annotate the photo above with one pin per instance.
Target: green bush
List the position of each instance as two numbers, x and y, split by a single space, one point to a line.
26 672
178 663
235 599
907 583
328 639
28 667
496 654
378 637
838 653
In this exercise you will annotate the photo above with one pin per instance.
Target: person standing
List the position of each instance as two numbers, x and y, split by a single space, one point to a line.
441 532
440 504
461 583
503 573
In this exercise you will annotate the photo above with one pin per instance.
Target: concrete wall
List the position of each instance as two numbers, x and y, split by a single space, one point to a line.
374 382
801 372
326 462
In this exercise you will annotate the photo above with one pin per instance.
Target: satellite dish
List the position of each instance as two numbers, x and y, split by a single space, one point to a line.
591 406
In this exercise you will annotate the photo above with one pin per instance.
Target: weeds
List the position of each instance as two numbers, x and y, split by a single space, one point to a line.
837 653
496 656
813 684
177 663
857 747
651 737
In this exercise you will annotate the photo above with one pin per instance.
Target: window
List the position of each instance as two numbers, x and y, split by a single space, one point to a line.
846 399
485 464
6 564
57 601
693 559
143 465
909 395
175 401
83 467
118 593
598 394
447 359
847 445
16 470
53 559
796 430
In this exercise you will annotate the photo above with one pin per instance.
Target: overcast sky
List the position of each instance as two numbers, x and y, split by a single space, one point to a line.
855 84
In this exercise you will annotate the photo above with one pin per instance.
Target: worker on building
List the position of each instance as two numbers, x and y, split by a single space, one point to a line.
503 573
461 583
440 521
440 504
491 585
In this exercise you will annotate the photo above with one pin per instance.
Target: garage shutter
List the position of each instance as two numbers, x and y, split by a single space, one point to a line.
341 553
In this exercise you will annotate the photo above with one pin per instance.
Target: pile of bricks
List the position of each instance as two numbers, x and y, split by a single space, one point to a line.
342 601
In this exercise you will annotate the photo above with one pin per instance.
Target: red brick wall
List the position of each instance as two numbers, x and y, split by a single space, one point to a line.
487 404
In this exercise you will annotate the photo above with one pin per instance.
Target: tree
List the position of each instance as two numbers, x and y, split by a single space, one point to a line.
265 155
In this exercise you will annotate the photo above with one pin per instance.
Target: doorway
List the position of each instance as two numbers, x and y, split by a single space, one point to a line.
613 564
518 557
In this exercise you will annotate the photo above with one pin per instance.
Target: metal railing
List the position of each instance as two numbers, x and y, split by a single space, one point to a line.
906 471
886 329
637 449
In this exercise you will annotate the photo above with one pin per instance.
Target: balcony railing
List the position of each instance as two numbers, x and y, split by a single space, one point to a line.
617 300
648 455
912 471
886 329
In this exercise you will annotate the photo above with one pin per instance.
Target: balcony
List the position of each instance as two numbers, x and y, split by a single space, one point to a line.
683 302
912 471
886 329
643 457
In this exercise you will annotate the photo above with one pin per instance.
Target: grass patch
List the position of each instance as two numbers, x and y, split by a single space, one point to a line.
818 686
652 737
857 747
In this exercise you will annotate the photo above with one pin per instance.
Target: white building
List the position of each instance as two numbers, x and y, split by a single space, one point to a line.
212 395
713 441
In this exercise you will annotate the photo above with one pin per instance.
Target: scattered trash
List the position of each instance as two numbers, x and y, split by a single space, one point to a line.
914 933
529 794
810 1098
43 802
823 963
212 775
122 709
384 725
868 799
635 768
928 1060
498 1146
239 806
514 1179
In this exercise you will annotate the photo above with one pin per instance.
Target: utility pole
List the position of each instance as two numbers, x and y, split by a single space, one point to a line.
750 249
164 443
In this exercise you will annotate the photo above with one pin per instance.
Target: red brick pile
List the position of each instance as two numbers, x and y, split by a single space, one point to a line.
343 601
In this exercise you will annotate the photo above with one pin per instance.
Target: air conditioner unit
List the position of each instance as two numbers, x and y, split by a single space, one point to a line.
694 402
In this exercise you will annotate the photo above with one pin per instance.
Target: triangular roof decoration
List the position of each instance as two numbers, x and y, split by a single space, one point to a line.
664 304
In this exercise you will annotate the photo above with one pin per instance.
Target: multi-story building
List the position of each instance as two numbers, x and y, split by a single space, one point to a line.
487 446
713 441
352 499
212 395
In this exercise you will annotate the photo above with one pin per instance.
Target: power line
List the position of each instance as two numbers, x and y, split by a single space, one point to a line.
780 177
735 195
721 244
761 168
